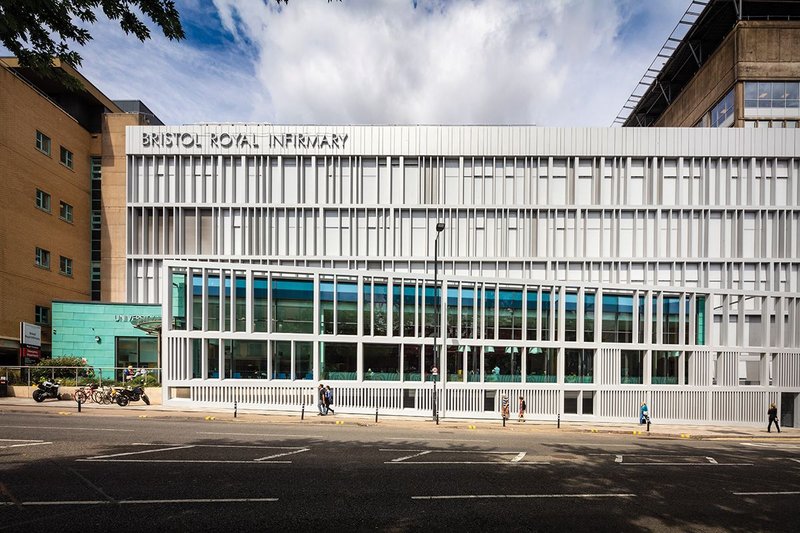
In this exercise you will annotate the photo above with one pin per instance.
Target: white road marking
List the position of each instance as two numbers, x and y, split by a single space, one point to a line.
777 493
596 445
22 444
281 454
771 445
137 453
442 440
518 458
526 463
410 456
712 460
686 464
618 459
250 462
262 435
255 447
793 459
145 502
69 428
486 496
444 450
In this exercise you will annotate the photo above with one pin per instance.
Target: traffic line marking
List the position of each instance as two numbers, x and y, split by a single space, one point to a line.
426 452
518 458
22 443
281 454
776 493
263 435
712 460
70 428
137 453
144 502
488 496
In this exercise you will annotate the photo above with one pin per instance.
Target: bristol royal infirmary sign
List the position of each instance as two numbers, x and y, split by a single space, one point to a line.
225 140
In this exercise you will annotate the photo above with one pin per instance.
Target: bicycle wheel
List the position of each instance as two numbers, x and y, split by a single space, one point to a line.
97 397
80 396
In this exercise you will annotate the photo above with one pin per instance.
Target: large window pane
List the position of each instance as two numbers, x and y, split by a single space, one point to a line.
366 315
212 358
303 360
148 352
671 319
292 306
632 367
532 312
381 362
541 365
571 317
467 313
700 321
197 358
432 296
617 318
197 301
246 360
510 310
281 360
338 360
127 351
588 318
455 364
380 308
578 366
213 303
502 364
665 367
240 307
412 362
347 308
397 319
260 303
452 312
409 310
546 315
326 307
488 313
179 301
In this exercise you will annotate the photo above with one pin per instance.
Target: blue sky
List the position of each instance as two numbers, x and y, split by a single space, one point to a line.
545 62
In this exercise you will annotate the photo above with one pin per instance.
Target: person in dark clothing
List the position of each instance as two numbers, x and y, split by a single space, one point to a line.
321 401
329 399
772 412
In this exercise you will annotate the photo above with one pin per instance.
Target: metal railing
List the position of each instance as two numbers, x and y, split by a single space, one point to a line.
80 376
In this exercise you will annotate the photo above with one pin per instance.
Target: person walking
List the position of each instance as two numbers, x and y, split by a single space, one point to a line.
643 413
772 412
323 410
522 408
329 399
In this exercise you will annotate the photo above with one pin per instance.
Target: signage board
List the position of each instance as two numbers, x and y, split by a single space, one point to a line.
30 334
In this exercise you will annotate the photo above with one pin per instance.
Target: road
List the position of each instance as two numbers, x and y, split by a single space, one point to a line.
71 474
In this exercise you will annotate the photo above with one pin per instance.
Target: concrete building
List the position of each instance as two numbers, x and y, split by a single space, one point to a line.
62 199
586 270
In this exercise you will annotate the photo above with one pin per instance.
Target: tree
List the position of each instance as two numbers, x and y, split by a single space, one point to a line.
37 31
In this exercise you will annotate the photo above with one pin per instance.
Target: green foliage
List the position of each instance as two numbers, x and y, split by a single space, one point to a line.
62 361
38 31
62 369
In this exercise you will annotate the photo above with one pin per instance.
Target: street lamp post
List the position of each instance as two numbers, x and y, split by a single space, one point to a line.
437 293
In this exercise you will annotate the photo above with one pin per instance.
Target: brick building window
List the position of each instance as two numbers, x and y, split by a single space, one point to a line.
42 200
42 315
66 157
42 142
42 258
65 212
65 266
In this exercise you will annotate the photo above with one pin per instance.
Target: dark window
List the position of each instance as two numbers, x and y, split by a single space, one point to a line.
42 315
65 266
65 211
42 258
42 143
42 200
66 157
139 352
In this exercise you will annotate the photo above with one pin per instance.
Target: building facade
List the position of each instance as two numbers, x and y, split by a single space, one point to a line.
584 269
62 199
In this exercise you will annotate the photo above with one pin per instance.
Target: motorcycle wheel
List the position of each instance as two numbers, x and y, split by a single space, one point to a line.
146 399
122 400
38 395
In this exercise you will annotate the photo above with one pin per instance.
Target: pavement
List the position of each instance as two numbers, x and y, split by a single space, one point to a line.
140 410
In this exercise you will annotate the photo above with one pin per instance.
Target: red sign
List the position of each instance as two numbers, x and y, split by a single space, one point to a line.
31 352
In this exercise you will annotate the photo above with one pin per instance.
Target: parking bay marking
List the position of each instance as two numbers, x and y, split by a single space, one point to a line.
518 456
114 458
710 461
22 443
144 502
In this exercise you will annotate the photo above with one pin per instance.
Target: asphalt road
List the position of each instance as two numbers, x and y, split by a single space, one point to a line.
78 474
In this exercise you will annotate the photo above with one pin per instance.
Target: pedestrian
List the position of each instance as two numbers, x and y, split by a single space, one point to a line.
522 408
504 407
772 412
643 413
329 399
323 410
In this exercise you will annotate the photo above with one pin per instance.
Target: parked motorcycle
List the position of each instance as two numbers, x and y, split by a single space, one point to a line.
46 389
132 394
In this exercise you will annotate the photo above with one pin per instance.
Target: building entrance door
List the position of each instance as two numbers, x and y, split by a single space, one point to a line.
788 401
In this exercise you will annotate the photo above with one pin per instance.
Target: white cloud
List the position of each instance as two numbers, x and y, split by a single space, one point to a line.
549 62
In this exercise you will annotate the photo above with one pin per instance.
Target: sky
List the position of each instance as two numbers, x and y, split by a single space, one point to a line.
542 62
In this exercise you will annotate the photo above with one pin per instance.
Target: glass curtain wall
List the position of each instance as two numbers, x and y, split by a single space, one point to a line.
570 317
631 367
338 360
245 359
197 301
468 312
502 363
326 307
381 362
292 306
179 301
346 308
412 362
541 365
452 312
510 314
670 319
212 286
281 359
488 312
260 303
240 305
546 297
617 318
532 312
588 317
665 367
578 366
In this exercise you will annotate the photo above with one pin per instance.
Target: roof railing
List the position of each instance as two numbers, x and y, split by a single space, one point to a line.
680 31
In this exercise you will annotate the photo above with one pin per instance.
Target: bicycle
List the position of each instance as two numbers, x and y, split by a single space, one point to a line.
85 394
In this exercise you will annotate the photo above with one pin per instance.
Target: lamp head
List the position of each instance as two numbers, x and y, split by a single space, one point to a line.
439 227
